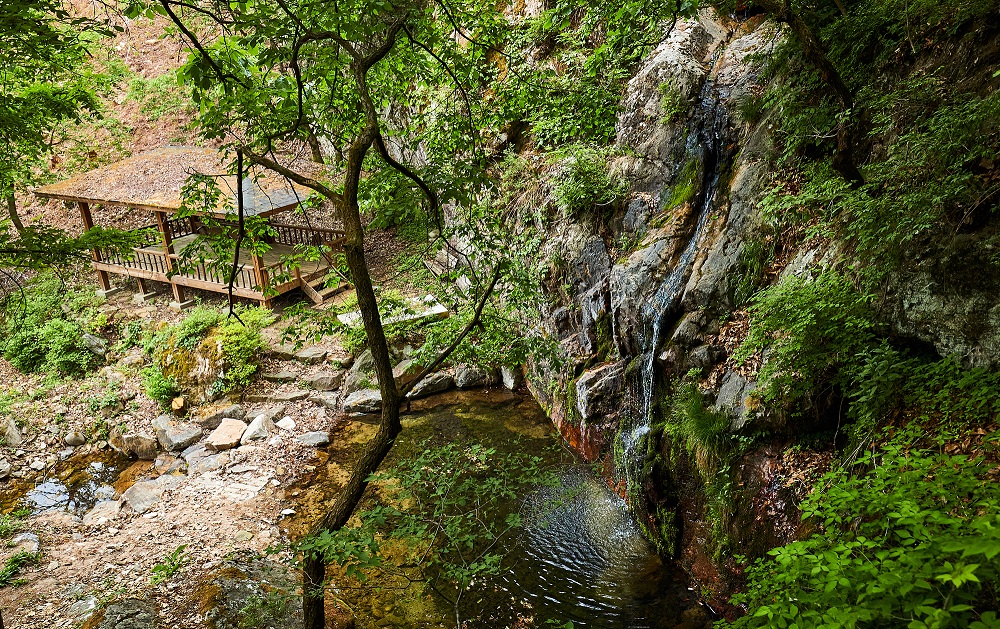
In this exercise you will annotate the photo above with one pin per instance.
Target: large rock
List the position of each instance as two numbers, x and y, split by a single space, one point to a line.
10 432
143 495
732 398
129 613
280 377
437 382
260 428
25 542
405 372
95 345
311 355
325 380
270 412
5 468
326 400
363 401
599 390
134 444
471 377
361 374
174 436
315 439
211 417
102 513
75 438
200 459
226 436
511 377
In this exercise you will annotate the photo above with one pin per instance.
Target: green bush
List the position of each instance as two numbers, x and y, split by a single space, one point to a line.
242 345
583 181
158 386
44 325
913 540
812 329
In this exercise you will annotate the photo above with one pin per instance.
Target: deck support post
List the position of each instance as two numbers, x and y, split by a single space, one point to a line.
179 303
260 275
103 278
145 293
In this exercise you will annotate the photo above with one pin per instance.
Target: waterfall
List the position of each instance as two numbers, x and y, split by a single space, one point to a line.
705 138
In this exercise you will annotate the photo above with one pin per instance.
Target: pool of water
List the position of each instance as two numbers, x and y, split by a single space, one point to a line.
579 558
74 486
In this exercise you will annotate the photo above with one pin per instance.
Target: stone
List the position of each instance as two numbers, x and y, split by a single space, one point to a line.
134 358
271 412
287 396
279 376
102 513
10 432
311 355
83 608
511 377
65 453
325 380
141 496
129 613
282 352
136 445
286 423
75 438
5 468
226 436
437 382
25 542
243 536
176 436
732 398
287 512
260 428
361 374
326 400
38 465
179 406
405 372
599 390
363 401
95 344
314 439
60 409
470 377
210 418
200 460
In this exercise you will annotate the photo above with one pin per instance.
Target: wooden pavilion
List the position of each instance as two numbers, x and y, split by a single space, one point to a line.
151 182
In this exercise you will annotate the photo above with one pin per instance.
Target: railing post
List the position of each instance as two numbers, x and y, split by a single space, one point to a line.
179 302
102 276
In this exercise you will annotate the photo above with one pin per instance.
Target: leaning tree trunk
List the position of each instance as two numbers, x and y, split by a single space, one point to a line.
15 220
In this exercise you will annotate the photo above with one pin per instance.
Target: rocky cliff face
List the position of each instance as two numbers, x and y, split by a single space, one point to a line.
650 292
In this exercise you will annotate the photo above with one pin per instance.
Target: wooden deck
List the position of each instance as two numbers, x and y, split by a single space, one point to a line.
151 262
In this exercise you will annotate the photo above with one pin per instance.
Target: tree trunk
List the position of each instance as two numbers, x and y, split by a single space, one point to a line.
815 53
15 220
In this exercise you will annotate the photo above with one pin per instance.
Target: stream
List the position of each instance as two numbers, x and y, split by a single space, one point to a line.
582 561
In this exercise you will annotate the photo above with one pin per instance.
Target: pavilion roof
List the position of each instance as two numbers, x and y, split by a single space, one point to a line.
153 180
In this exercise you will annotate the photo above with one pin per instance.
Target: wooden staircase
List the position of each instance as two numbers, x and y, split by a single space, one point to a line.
319 293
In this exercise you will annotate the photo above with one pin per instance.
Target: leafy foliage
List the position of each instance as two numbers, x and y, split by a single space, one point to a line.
811 328
159 387
583 181
915 536
170 565
13 565
43 326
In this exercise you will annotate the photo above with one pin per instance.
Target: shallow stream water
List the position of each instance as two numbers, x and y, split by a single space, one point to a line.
580 557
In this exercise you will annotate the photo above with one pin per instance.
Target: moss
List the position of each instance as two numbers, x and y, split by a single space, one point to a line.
685 186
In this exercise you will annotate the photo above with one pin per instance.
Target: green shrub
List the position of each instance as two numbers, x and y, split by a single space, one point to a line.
912 539
584 181
193 329
242 344
158 386
44 326
811 329
672 102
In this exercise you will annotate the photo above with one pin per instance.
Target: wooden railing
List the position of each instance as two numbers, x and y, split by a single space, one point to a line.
149 264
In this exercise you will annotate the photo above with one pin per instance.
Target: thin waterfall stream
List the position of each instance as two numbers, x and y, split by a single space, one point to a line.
706 140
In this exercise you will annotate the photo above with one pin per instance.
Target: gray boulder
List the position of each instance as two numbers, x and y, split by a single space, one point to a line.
325 380
260 428
211 419
75 438
95 344
437 382
470 377
311 355
315 439
363 401
10 432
